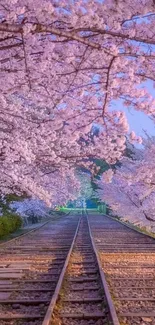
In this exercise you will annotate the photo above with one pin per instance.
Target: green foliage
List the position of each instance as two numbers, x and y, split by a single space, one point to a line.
103 166
9 223
14 197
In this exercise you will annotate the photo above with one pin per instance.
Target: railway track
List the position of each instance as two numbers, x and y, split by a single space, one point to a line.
54 276
128 261
83 298
30 267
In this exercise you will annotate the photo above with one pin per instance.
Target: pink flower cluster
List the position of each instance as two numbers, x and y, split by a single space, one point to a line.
131 192
63 67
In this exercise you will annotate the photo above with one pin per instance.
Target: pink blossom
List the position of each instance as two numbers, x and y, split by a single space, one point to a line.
63 66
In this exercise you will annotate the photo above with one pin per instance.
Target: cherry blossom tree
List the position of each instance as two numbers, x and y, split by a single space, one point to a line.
64 66
85 190
30 207
85 185
130 191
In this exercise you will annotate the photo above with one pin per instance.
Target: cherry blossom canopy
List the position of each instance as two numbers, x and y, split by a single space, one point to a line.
64 67
130 190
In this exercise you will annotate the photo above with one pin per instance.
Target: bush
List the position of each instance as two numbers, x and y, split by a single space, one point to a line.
9 223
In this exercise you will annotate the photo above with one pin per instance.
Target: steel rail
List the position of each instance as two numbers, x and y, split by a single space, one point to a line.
130 310
48 315
104 282
7 269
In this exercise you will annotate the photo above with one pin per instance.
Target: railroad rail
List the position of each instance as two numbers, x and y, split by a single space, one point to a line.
30 267
68 274
82 296
128 261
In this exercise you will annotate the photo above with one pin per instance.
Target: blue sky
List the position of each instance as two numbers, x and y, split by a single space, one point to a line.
139 121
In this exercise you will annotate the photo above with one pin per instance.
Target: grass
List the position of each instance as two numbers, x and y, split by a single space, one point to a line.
8 224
